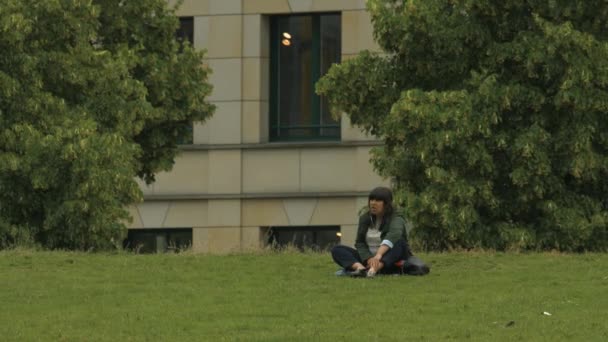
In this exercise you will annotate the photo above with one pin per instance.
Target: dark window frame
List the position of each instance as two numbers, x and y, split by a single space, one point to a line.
182 34
275 126
169 234
290 236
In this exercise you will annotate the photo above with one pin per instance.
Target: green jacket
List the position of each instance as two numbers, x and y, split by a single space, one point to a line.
391 231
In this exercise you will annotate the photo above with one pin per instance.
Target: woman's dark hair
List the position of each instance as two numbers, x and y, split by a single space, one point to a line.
385 195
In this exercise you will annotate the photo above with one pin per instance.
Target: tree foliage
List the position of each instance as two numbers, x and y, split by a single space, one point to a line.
92 94
494 116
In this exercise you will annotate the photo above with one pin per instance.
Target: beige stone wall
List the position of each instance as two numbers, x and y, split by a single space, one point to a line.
349 234
235 34
262 171
235 225
190 174
299 212
309 170
237 172
230 191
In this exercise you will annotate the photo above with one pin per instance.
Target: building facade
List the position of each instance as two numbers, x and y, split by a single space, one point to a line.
271 165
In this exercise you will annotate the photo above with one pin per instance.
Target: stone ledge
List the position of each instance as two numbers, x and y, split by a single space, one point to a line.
279 145
269 195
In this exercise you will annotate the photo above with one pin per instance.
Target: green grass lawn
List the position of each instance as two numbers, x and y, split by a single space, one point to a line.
58 296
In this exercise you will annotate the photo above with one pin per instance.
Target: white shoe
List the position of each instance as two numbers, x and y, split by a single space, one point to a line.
371 273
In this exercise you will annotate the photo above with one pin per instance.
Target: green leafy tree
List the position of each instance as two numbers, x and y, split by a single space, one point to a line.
494 116
92 94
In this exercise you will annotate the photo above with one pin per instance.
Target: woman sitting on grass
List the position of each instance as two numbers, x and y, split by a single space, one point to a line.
381 244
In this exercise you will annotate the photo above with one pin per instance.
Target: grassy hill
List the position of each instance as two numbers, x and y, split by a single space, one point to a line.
61 296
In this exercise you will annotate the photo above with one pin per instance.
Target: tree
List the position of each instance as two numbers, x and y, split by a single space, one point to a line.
92 94
493 116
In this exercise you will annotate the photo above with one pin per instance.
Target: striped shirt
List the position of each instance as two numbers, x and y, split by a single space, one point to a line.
372 238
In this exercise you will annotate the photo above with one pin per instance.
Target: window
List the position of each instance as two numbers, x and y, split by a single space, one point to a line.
303 48
317 238
159 240
185 32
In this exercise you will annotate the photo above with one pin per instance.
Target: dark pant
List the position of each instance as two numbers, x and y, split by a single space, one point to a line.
346 256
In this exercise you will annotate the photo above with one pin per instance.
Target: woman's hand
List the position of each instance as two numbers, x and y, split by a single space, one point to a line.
374 262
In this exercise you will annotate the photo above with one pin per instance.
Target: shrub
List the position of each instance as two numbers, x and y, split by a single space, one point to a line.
493 117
